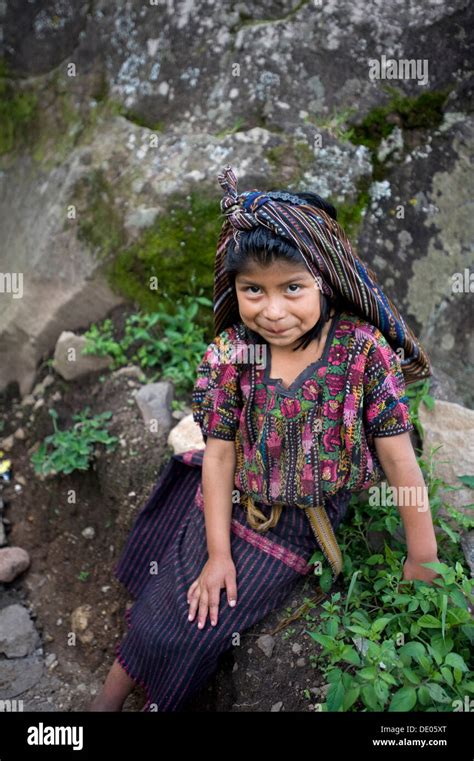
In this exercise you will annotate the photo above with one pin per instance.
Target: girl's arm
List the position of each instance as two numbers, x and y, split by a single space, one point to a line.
398 460
218 472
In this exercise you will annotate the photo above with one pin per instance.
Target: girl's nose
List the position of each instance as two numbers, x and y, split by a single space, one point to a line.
273 312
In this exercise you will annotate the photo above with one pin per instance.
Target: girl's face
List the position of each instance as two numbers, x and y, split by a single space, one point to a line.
280 302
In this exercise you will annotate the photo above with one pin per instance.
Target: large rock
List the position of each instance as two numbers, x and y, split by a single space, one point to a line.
186 435
62 288
69 361
245 109
19 675
18 636
154 401
451 426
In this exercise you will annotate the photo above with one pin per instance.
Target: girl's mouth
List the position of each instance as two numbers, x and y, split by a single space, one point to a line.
276 332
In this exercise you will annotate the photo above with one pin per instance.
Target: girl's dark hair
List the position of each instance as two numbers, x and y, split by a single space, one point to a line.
264 247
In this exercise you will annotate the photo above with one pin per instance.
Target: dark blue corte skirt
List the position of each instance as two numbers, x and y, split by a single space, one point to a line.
165 552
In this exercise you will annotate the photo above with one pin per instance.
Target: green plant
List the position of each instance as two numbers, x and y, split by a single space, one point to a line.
398 649
72 449
417 393
397 645
101 341
172 342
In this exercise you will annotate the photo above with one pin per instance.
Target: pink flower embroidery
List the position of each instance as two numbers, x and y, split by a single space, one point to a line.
349 410
332 409
290 407
328 470
344 326
337 354
274 444
332 438
335 383
310 389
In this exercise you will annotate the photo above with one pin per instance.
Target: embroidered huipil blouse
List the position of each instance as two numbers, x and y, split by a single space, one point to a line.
296 445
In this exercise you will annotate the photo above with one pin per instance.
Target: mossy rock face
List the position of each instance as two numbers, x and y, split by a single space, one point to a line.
350 214
98 220
17 112
177 251
289 161
422 112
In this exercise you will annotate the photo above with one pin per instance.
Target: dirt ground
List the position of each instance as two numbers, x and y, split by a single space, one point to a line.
68 570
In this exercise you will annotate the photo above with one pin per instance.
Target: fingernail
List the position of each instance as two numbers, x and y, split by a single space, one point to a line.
232 603
200 625
213 622
190 618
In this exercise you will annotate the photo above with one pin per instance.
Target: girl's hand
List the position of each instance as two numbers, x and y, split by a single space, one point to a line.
412 569
205 591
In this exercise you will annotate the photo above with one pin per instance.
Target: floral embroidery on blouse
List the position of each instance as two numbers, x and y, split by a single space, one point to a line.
317 437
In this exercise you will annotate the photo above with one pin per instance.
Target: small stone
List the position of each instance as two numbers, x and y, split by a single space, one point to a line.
38 404
7 443
296 648
13 561
80 620
301 662
88 533
266 643
19 434
276 707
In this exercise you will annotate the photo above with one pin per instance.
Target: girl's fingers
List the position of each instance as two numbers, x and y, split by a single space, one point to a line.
193 605
203 607
231 587
214 606
191 590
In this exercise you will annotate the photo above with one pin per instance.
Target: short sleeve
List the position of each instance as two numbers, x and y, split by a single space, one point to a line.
216 397
386 406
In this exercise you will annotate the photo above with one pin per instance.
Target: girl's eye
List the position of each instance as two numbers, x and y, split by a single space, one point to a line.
291 285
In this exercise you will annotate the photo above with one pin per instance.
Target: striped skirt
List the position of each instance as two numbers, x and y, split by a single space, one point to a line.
165 552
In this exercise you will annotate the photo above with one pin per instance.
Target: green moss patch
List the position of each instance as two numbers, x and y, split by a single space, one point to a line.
178 250
98 220
18 111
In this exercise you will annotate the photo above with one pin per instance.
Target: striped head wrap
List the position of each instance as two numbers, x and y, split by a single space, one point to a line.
328 254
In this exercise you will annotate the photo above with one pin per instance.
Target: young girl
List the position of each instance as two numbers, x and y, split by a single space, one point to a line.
301 401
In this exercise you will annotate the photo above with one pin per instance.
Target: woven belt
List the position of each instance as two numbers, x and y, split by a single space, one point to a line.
324 532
